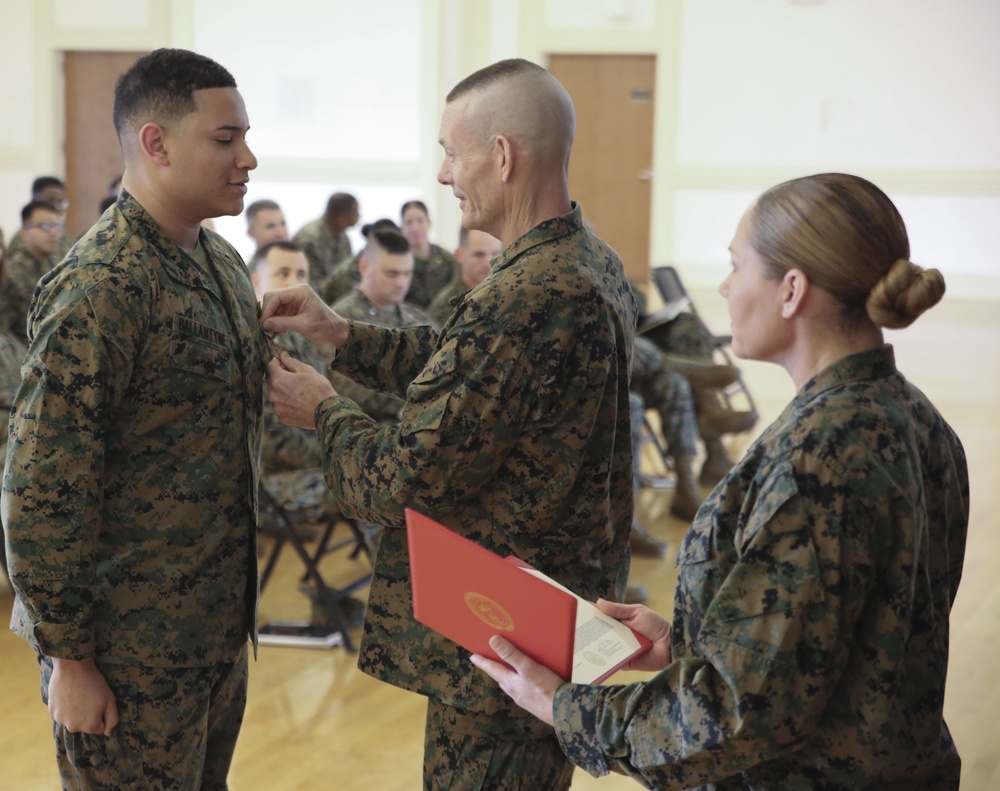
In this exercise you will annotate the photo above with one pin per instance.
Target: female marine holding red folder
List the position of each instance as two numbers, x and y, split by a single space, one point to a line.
809 644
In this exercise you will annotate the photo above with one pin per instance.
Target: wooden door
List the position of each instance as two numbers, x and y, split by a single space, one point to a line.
93 157
610 171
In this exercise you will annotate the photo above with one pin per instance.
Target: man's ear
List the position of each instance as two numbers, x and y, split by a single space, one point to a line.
363 265
794 290
152 141
504 152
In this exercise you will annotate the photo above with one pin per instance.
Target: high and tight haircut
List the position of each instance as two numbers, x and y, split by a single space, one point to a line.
32 206
414 204
44 182
496 72
390 241
160 86
265 204
341 203
283 244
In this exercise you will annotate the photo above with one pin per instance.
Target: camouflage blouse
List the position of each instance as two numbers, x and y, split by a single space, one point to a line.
810 632
131 482
515 432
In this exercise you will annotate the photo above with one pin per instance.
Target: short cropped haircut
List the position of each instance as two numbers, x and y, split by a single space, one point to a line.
160 87
44 182
494 73
341 202
265 204
388 240
283 244
33 206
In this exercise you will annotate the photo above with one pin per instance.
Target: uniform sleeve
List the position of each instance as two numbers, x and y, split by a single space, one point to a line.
463 414
773 642
374 404
75 374
385 359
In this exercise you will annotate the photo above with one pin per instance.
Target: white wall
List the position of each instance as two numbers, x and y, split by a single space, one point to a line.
347 96
753 92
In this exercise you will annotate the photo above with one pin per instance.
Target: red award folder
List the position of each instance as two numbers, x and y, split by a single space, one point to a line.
468 594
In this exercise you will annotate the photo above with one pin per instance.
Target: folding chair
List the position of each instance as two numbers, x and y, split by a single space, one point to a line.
279 523
676 299
650 436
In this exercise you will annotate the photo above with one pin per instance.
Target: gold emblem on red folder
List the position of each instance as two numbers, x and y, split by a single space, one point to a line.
489 612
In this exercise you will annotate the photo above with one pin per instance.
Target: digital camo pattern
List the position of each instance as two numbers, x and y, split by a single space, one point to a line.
291 457
383 407
685 334
129 498
322 247
810 633
164 740
515 433
443 304
341 280
669 393
460 752
430 275
23 273
11 354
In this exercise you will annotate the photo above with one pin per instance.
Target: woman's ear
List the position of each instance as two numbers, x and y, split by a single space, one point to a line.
794 290
152 141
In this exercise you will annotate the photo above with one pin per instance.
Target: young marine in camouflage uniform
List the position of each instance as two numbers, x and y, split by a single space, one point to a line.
386 271
345 275
11 354
809 646
131 480
515 431
290 457
475 254
37 251
325 240
433 266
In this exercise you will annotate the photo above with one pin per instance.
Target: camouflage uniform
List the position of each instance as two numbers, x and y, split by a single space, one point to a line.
131 478
430 275
685 334
344 276
11 354
291 457
443 304
383 407
322 247
515 433
23 272
669 394
810 633
66 241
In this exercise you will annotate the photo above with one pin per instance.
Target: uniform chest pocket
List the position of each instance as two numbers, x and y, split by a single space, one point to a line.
200 349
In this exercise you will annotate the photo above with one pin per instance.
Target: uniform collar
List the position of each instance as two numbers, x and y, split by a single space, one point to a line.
872 364
546 231
180 266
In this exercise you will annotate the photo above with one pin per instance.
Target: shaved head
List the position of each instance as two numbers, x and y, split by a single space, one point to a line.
507 131
521 101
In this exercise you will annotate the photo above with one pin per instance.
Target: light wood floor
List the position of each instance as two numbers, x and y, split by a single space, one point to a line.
314 721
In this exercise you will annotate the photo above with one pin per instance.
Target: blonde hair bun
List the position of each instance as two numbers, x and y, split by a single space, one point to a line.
903 293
